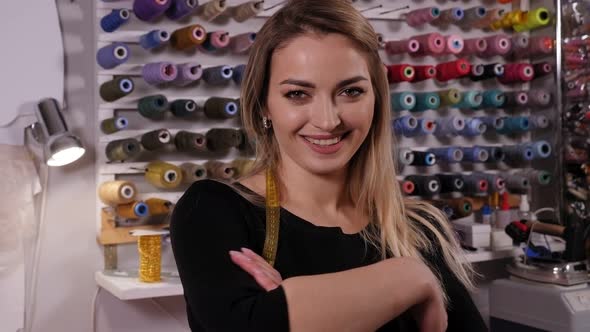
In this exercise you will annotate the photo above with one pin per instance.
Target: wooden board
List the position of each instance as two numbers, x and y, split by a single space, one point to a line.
110 234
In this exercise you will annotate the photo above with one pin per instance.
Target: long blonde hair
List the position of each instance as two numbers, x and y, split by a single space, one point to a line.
400 222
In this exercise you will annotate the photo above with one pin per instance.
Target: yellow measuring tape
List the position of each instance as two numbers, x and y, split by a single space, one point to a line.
271 240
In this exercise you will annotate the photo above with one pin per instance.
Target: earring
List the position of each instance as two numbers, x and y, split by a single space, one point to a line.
266 123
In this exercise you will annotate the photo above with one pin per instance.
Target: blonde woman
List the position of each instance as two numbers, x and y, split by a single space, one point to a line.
353 254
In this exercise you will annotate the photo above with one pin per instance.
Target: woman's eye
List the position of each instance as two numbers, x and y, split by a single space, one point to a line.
353 92
295 94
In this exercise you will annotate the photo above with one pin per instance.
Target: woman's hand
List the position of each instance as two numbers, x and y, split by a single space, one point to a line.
264 274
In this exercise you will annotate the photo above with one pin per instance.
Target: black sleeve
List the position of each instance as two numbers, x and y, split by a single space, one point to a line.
205 225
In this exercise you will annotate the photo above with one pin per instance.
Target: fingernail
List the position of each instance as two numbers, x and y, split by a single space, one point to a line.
233 253
247 250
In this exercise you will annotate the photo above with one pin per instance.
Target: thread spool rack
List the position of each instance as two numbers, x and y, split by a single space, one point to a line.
392 26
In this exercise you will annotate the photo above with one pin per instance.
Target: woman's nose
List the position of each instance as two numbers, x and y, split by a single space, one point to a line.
325 115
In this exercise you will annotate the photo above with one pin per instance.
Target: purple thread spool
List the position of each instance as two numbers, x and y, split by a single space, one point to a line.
112 55
238 74
242 42
539 98
188 73
114 20
154 39
402 46
422 16
149 10
218 75
181 8
159 72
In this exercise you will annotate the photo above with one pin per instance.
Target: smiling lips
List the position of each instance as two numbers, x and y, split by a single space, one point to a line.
325 144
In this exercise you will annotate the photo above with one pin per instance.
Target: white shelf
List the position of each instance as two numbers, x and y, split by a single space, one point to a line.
484 255
126 288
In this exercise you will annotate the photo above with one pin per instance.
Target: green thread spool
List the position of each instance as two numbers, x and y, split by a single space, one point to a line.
193 172
156 139
116 88
123 149
220 170
113 125
222 139
153 107
449 97
163 175
183 108
221 108
190 142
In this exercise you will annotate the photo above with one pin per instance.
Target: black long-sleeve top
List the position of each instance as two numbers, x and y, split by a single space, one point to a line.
211 219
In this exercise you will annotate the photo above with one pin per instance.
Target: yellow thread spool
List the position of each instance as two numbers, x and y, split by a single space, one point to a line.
220 170
247 10
150 257
533 19
116 192
212 9
242 166
450 97
163 175
158 206
132 210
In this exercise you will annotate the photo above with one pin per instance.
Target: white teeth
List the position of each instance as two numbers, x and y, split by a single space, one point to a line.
324 142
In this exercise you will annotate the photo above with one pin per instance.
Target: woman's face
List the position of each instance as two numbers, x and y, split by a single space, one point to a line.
320 101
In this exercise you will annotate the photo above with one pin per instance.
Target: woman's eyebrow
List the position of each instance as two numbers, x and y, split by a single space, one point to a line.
341 84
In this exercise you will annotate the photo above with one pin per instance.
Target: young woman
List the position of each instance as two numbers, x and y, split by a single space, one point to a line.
352 253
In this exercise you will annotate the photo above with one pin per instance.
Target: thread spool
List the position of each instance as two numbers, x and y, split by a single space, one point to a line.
539 98
220 108
473 15
181 8
154 39
114 20
473 127
247 10
425 127
422 158
452 70
449 16
493 70
183 108
449 126
150 258
188 73
430 44
509 19
450 154
381 40
493 99
405 156
218 75
222 139
492 15
186 141
516 99
123 149
422 16
537 177
216 41
153 107
517 73
462 207
158 206
212 9
242 167
407 187
156 73
476 184
220 170
132 210
450 97
156 139
193 172
424 185
515 125
517 153
474 46
405 125
188 37
114 124
517 183
496 154
498 45
163 175
116 88
403 101
470 100
542 68
475 154
150 10
423 73
402 46
492 121
541 149
400 73
426 101
496 183
536 18
539 122
450 183
539 46
238 74
242 43
110 56
116 192
476 73
454 44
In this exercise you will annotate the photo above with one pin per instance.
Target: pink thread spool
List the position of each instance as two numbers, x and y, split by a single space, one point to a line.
422 16
454 44
474 46
517 73
241 43
540 45
520 44
539 97
430 44
159 72
402 46
542 69
497 45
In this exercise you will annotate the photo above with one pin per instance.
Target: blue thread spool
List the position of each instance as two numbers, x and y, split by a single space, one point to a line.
493 99
451 154
475 154
403 101
425 127
405 125
181 8
426 101
218 75
539 122
238 73
495 153
449 126
518 153
153 107
541 149
492 121
114 20
112 55
514 125
473 127
141 209
422 158
471 99
153 39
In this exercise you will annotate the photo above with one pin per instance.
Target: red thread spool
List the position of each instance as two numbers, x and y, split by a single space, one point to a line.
474 46
542 69
540 45
517 72
430 44
424 73
408 187
402 46
452 70
400 73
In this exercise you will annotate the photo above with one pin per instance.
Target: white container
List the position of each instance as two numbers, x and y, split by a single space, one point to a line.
473 234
